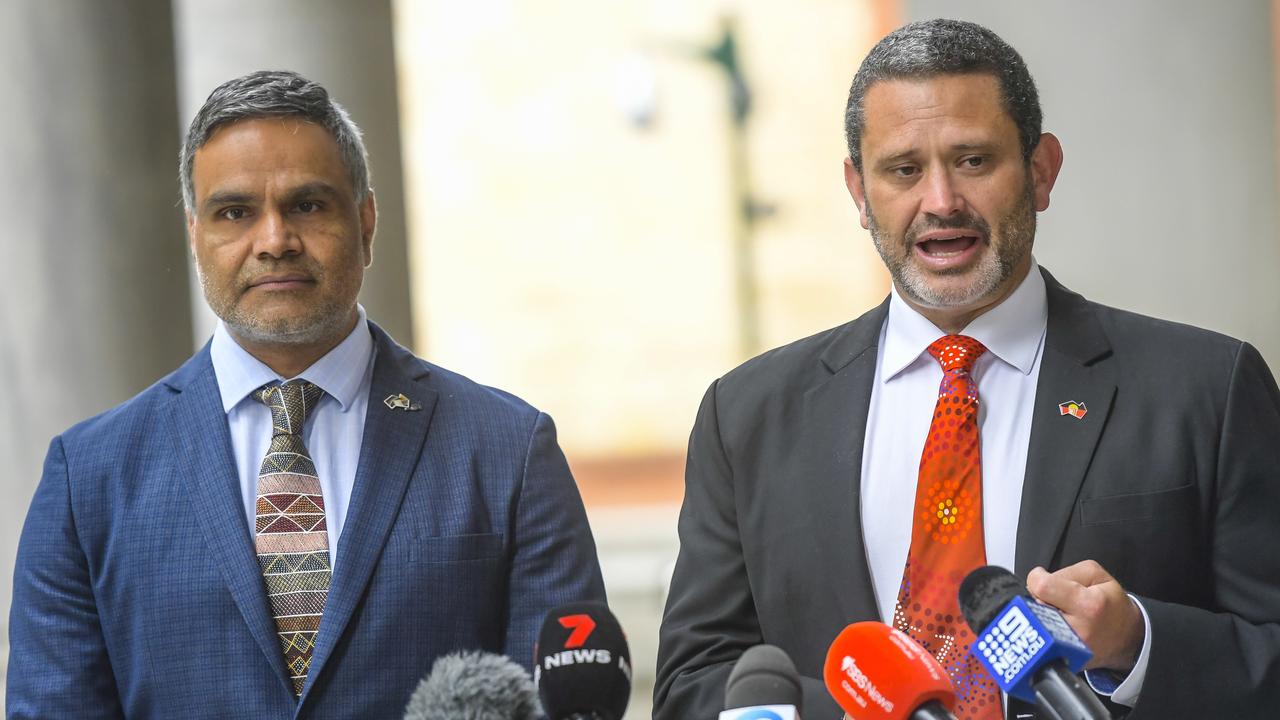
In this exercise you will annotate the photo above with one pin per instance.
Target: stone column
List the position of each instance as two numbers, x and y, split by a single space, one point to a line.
345 46
93 303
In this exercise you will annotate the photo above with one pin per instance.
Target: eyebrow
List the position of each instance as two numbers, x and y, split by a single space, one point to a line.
316 188
908 154
227 197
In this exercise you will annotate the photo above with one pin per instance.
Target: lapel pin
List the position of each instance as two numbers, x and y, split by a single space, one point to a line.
400 402
1074 408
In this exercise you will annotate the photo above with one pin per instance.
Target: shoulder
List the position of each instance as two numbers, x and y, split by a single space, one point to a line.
1142 343
457 397
785 374
113 431
1157 358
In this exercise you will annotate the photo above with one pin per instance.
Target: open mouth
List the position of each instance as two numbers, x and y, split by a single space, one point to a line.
947 246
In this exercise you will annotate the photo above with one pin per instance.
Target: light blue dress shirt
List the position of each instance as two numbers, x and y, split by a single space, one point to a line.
333 431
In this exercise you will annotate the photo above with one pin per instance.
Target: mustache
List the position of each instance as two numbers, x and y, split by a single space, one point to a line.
250 273
966 221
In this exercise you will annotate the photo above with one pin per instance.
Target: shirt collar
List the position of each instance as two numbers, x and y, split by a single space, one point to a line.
1012 331
339 373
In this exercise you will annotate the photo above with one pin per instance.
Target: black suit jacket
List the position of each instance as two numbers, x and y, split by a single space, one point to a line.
1171 481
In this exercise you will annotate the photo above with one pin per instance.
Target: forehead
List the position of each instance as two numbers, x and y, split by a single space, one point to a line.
280 151
952 108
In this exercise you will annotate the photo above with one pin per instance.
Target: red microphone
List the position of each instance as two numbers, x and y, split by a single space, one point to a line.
877 673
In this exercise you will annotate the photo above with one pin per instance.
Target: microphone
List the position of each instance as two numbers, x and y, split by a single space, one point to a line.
1027 646
763 685
582 665
474 686
875 672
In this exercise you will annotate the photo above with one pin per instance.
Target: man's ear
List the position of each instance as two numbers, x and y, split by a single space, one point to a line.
853 181
191 233
368 224
1046 161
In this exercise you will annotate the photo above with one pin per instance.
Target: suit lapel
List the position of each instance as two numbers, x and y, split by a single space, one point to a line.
389 452
1074 368
202 447
835 422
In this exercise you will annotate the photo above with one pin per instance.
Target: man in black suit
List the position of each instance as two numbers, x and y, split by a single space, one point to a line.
1130 467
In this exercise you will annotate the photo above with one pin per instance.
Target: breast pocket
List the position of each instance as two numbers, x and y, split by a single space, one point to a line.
1137 507
456 548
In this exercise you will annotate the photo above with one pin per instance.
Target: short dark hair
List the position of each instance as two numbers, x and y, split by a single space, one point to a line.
274 93
929 48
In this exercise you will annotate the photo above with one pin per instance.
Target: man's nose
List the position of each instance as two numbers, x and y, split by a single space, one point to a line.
941 196
275 237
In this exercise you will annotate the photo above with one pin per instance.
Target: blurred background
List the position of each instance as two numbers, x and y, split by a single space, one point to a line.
599 206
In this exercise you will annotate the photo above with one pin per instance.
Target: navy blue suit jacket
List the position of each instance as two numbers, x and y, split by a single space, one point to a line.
137 593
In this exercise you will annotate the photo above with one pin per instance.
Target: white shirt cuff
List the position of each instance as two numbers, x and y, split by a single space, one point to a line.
1108 682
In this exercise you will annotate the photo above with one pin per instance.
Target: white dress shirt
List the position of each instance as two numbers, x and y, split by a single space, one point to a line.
903 395
333 432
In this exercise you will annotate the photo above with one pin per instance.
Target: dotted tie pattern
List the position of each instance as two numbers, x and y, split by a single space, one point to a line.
946 532
292 539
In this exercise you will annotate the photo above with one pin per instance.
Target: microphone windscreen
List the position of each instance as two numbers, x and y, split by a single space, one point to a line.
583 665
474 686
764 675
984 593
875 672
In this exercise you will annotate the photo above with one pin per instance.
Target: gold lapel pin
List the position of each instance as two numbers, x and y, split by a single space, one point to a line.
400 402
1074 408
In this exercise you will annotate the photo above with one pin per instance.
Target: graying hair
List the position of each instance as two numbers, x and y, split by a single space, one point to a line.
274 93
929 48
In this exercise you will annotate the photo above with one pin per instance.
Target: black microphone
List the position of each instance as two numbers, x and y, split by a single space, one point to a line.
1027 646
583 666
474 686
763 684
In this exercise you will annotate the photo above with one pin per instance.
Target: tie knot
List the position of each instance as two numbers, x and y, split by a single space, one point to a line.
956 352
289 403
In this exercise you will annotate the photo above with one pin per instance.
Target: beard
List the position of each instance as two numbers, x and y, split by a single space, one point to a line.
321 320
1008 249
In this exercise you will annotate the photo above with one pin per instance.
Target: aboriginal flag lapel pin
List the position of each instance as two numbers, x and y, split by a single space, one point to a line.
1074 408
400 402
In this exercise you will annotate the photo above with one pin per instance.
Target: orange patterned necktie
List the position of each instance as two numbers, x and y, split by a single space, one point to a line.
946 532
292 538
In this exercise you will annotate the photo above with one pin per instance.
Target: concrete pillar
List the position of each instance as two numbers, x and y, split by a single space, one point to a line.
93 303
1166 204
345 46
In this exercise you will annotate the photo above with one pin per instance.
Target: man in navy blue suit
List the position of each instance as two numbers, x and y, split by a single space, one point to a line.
303 516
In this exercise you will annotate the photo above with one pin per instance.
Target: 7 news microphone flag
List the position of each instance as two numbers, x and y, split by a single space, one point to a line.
582 665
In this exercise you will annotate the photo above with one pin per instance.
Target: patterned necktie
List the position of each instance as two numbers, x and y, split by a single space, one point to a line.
292 538
946 532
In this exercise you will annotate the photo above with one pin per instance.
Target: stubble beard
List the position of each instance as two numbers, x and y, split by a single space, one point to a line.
1011 247
319 322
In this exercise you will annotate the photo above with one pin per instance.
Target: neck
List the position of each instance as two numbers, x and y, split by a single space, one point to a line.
288 360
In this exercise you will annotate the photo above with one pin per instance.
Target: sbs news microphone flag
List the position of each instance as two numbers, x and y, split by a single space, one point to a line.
875 672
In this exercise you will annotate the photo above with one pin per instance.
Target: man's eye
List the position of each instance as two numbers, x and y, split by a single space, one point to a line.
974 161
233 213
308 206
905 171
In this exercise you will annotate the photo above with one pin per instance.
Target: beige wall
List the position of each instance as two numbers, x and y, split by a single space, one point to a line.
562 253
